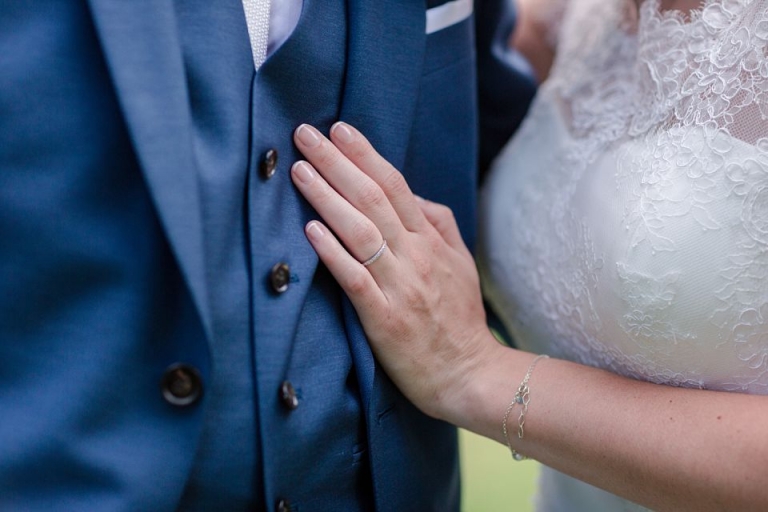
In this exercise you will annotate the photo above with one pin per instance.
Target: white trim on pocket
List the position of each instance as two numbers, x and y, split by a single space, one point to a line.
450 13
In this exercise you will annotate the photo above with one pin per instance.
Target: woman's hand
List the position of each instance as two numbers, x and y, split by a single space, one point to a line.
420 301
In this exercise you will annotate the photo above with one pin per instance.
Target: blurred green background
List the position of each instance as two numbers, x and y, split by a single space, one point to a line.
491 480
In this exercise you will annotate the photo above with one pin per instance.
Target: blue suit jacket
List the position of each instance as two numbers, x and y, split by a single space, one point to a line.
103 271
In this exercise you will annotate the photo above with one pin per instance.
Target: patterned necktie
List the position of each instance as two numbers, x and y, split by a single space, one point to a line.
257 18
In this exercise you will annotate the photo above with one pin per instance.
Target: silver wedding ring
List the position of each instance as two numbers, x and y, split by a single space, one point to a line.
372 259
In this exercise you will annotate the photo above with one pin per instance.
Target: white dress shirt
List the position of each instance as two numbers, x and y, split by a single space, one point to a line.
270 23
283 18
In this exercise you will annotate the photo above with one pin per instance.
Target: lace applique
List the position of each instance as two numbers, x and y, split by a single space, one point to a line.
709 70
648 300
671 111
664 160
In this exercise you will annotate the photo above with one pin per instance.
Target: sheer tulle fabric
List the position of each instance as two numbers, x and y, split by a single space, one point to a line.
626 225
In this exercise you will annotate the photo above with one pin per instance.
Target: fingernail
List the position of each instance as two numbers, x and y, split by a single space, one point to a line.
420 199
314 231
308 136
304 172
343 132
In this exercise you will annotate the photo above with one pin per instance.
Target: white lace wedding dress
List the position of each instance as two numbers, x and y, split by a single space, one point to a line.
626 225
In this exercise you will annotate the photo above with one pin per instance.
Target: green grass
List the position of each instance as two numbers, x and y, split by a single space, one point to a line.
491 480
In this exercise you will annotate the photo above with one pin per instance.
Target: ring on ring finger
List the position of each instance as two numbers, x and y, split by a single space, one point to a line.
378 254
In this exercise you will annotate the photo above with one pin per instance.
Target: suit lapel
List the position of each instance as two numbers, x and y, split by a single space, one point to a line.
387 43
386 51
143 54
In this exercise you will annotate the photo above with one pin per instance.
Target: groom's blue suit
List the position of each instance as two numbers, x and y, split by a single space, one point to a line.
167 338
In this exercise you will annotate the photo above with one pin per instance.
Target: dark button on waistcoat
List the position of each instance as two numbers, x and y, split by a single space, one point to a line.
288 395
280 276
268 164
182 385
283 506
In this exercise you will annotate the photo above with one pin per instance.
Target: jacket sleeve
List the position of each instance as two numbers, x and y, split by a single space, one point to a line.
506 84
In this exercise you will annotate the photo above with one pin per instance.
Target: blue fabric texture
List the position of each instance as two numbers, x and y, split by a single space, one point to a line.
137 231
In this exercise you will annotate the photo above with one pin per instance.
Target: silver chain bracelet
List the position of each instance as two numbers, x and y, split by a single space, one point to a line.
522 398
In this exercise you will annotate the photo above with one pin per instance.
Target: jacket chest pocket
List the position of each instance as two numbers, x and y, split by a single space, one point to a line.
450 34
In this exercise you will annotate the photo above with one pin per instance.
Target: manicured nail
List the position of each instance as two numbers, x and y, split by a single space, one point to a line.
304 172
343 132
308 135
314 231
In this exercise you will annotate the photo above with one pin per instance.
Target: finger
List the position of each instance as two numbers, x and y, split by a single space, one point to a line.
349 181
353 278
359 234
441 217
361 153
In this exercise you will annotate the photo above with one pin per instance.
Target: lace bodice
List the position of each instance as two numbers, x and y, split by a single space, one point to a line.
626 225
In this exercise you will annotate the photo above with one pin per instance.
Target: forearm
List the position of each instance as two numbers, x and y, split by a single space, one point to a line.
664 447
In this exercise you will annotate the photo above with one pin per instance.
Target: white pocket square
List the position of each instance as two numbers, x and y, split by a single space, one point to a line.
450 13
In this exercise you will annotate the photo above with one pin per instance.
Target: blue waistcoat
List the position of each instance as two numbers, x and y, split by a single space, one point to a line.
138 231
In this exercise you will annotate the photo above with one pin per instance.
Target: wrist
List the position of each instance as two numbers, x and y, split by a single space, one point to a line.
477 380
487 390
